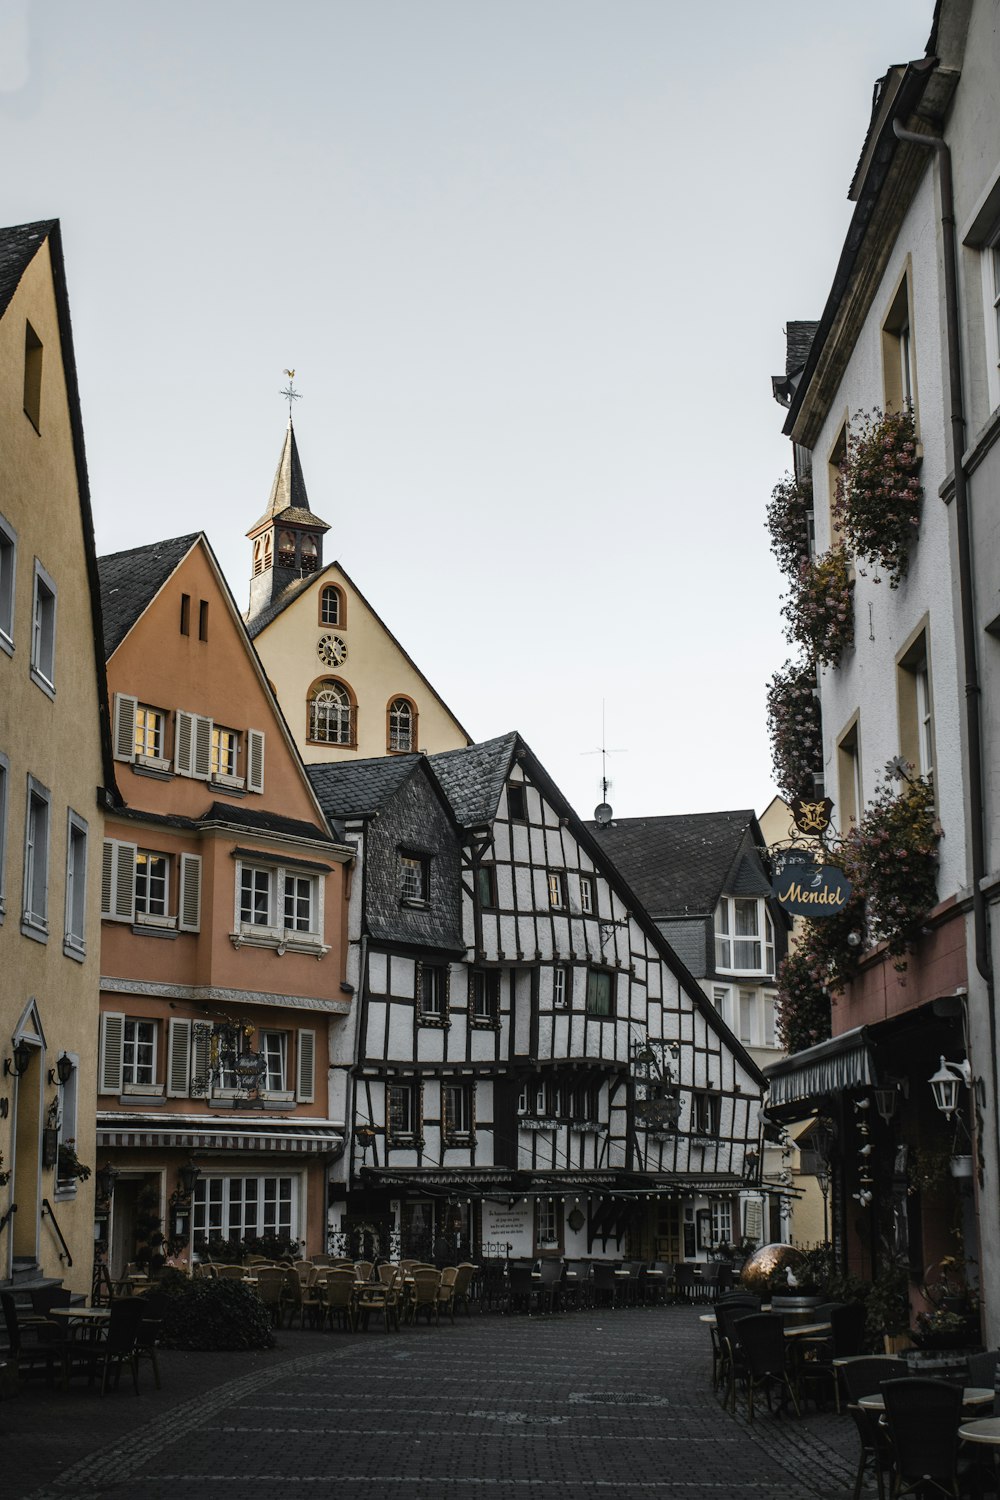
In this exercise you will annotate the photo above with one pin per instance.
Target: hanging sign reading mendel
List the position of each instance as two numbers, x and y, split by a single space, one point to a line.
808 889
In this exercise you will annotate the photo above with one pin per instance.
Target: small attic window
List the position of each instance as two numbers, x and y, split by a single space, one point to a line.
32 377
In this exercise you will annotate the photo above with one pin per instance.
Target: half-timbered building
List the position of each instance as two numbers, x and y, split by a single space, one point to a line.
533 1069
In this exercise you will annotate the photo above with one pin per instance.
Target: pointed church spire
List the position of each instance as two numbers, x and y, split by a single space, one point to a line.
288 537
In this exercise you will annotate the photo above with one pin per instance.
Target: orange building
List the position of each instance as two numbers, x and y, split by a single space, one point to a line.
223 927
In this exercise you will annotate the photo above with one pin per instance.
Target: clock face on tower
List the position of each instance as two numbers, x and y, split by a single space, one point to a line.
331 650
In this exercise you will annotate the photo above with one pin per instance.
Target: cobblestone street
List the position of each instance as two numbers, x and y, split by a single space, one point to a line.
617 1405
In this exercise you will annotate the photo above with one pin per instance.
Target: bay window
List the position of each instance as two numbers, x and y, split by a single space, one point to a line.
278 907
744 936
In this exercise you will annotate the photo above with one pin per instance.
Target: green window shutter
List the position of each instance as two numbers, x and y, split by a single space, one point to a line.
305 1091
178 1059
112 1045
125 707
255 760
189 910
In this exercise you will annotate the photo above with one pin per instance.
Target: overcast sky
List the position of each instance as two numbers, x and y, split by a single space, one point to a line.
531 262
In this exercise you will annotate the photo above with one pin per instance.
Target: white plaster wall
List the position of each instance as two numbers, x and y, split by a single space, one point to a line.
865 678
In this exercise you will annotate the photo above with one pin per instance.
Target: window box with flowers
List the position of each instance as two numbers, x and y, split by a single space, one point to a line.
891 857
878 498
795 728
789 521
819 607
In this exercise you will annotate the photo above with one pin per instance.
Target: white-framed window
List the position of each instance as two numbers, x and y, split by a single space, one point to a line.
278 907
329 608
75 930
432 989
722 1221
704 1113
8 580
331 715
43 631
588 894
402 1124
925 722
748 1004
4 821
274 1045
149 733
69 1103
547 1224
484 988
744 936
138 1052
523 1096
414 877
456 1109
225 756
720 999
152 886
556 883
991 307
770 1019
916 711
560 992
35 910
401 725
245 1207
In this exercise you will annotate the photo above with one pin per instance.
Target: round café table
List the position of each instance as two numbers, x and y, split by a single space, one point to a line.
972 1395
983 1430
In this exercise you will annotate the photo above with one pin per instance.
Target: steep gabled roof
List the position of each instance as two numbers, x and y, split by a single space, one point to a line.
131 580
18 247
356 789
679 865
474 778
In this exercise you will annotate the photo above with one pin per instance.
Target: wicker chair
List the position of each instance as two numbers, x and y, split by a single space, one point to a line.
923 1417
31 1342
761 1336
864 1377
271 1291
337 1298
463 1285
446 1293
424 1294
121 1343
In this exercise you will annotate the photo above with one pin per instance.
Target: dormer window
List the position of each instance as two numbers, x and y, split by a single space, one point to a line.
744 936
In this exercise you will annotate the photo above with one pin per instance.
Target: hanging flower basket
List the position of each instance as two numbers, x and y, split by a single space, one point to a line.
788 517
795 729
819 607
877 509
891 857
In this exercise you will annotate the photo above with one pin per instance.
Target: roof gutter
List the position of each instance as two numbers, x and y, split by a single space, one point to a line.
966 590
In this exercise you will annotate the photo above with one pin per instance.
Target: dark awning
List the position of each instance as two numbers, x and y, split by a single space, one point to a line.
140 1132
844 1062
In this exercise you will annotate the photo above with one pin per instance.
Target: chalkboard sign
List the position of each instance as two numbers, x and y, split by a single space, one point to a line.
689 1245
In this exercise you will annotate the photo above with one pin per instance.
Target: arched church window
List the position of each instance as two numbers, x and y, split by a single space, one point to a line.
402 725
331 714
331 606
309 554
286 549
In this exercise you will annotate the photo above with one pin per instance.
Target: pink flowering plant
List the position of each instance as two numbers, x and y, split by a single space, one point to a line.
819 607
795 729
788 517
821 963
892 856
877 509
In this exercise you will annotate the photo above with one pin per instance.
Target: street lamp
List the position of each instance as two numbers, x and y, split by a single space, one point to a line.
945 1083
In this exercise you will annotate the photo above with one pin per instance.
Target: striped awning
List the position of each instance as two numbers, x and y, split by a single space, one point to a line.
843 1062
324 1137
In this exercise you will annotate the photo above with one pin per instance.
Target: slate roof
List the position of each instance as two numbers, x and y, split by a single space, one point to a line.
355 789
798 341
677 865
281 601
288 490
130 580
18 246
474 778
262 821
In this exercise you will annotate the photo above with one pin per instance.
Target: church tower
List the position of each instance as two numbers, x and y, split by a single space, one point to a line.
288 539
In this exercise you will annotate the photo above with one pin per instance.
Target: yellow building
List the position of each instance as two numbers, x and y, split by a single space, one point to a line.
346 686
54 763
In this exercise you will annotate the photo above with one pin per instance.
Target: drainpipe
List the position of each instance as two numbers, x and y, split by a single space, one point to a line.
973 691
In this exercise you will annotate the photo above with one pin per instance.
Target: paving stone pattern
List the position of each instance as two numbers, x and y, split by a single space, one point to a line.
614 1405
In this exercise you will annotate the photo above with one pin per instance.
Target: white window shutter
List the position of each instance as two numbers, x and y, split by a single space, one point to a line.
184 743
305 1091
112 1045
118 881
201 1056
178 1059
125 707
189 917
202 748
255 760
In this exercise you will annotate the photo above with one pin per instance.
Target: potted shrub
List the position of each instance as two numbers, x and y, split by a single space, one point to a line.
789 515
795 728
819 607
891 857
887 1320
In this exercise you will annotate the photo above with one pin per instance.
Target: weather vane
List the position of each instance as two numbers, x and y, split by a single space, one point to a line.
290 393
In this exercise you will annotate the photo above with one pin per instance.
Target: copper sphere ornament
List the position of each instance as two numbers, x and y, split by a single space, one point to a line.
757 1275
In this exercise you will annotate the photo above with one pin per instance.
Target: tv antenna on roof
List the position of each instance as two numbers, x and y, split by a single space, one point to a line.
603 812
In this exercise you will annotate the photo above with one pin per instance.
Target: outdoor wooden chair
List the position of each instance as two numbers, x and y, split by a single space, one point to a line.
424 1294
337 1298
